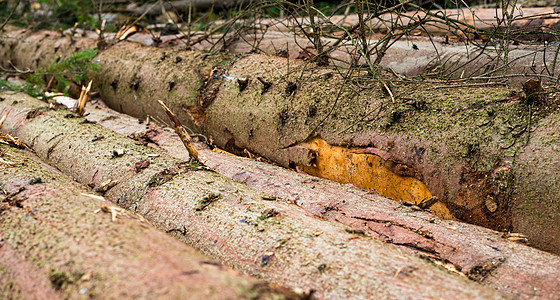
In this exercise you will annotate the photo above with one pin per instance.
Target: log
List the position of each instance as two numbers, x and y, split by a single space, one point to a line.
433 141
416 56
466 248
527 23
273 240
59 241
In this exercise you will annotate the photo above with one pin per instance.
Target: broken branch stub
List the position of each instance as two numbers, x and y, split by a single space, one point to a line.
181 132
4 117
80 109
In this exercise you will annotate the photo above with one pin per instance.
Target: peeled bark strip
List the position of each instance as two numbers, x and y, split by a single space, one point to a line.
57 243
470 249
270 239
467 146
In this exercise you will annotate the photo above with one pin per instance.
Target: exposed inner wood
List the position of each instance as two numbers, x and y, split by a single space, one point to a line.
370 169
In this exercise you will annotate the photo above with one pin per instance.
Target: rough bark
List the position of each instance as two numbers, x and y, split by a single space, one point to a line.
57 244
467 248
273 240
467 145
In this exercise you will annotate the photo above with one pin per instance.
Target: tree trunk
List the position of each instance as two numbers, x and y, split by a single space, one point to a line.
58 243
467 248
418 56
273 240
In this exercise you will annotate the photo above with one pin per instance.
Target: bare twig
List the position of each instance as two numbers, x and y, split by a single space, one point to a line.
388 91
181 132
9 16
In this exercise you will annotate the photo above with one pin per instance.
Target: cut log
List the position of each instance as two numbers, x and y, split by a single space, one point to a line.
467 248
57 241
413 57
525 23
416 56
273 240
461 144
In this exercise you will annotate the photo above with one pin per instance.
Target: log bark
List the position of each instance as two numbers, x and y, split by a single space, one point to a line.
467 248
57 243
465 145
269 239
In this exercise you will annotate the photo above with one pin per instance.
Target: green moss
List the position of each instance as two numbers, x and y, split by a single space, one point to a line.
161 178
207 200
268 213
60 280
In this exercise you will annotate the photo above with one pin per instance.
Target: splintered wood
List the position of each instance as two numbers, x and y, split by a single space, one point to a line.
5 116
181 132
80 109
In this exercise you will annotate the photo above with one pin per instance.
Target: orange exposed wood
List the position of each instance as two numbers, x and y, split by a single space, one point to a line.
367 171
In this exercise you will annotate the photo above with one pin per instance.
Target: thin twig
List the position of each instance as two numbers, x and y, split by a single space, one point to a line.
389 91
452 86
181 132
9 16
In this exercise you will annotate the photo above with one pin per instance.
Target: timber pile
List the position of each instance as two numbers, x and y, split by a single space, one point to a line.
469 147
273 240
474 170
458 246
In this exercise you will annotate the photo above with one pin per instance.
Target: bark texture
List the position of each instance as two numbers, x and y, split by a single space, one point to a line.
56 243
270 239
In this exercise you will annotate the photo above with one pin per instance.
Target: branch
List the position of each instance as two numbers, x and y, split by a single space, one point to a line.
181 132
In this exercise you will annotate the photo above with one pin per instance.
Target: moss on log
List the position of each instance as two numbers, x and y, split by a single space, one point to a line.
235 224
58 243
